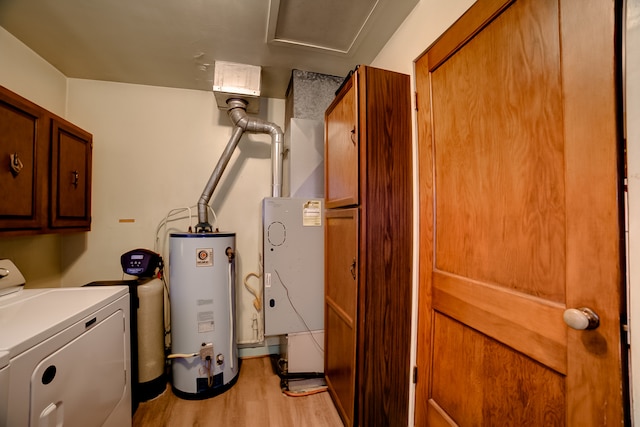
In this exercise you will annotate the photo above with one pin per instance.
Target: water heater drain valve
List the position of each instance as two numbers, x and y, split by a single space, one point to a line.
206 351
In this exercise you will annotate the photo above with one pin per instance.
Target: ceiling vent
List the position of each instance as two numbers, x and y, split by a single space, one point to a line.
330 25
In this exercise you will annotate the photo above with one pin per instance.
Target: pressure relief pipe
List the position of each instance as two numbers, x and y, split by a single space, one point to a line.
238 114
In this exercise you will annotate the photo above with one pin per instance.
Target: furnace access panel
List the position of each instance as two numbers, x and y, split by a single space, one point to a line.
293 257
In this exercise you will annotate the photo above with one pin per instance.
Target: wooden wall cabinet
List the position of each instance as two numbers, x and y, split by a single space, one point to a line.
368 248
45 170
23 163
70 192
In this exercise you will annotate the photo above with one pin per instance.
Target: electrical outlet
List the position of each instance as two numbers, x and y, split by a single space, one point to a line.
206 351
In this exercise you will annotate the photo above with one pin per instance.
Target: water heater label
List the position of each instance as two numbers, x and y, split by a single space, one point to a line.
204 257
312 214
205 321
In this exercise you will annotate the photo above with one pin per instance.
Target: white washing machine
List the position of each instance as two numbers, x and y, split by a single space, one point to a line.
64 354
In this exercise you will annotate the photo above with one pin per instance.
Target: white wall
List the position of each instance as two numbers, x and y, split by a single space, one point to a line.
27 74
153 151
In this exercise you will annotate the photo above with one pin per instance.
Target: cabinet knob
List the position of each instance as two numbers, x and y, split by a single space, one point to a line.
15 163
74 178
353 269
353 135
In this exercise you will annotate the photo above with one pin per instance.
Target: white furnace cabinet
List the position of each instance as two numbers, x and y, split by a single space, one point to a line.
293 256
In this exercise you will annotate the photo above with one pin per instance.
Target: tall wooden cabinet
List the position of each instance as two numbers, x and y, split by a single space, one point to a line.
368 248
45 170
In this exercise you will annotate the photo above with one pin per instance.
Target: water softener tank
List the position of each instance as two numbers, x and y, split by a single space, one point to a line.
150 338
204 354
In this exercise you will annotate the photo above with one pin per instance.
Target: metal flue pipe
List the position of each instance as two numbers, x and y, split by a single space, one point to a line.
238 114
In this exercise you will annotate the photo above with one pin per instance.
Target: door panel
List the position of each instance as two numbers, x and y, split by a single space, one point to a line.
23 140
71 176
341 266
499 386
340 365
72 190
529 325
506 178
519 217
341 151
341 296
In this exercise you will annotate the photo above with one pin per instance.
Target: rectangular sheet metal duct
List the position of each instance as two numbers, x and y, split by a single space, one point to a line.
232 80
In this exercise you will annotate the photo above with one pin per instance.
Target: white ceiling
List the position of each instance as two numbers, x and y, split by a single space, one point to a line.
174 43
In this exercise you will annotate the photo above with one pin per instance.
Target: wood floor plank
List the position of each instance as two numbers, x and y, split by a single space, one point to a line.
255 400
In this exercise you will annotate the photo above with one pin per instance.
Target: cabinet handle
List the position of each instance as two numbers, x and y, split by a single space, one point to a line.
15 163
353 269
74 178
353 135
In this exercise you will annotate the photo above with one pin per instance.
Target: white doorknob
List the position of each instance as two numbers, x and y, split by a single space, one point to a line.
581 318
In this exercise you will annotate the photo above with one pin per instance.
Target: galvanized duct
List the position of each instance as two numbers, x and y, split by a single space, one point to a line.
243 123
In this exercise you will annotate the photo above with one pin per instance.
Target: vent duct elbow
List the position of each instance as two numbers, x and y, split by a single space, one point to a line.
238 115
243 123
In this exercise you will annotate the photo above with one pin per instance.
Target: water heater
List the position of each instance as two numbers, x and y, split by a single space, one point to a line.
204 353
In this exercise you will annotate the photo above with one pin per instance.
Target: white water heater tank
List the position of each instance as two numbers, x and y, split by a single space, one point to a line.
202 297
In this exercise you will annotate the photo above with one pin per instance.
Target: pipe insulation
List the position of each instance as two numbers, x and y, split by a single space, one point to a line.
243 123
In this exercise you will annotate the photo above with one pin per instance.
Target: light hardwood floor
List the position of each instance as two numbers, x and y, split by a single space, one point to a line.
255 400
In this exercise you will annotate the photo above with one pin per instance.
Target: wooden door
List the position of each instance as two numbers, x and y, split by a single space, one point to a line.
341 149
22 142
519 218
71 155
341 297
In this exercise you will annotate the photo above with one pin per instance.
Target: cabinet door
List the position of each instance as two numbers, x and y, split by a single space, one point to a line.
22 163
341 149
341 295
71 149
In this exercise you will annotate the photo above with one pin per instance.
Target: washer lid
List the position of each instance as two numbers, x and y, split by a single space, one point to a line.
11 279
34 315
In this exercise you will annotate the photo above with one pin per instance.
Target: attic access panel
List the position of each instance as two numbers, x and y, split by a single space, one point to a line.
332 25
